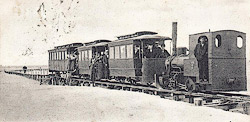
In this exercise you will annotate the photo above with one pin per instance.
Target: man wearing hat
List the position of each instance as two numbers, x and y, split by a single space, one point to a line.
201 54
156 50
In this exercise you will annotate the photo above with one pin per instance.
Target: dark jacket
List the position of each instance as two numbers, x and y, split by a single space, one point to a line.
148 54
156 52
105 60
201 52
105 67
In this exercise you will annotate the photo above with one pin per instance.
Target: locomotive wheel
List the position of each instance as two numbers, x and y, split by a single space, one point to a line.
190 85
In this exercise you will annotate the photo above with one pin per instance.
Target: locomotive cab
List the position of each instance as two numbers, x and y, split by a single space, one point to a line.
226 61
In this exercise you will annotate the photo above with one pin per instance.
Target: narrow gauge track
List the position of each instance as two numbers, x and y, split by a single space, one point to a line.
226 101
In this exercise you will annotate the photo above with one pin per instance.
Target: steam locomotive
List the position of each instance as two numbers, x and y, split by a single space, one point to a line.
128 63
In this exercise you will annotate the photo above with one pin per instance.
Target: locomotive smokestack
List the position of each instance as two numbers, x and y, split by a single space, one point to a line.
174 37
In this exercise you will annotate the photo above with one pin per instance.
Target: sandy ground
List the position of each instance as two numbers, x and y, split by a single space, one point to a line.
23 99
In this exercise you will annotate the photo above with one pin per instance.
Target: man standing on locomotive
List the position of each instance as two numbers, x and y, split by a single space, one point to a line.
201 54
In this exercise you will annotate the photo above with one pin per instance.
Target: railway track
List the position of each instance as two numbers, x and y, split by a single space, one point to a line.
232 102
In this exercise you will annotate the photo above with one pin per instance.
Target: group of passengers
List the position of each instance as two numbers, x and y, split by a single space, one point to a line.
99 66
155 51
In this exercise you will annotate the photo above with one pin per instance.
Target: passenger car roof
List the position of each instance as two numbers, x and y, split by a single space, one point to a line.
95 43
147 37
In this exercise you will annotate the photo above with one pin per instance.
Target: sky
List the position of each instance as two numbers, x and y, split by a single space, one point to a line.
29 28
